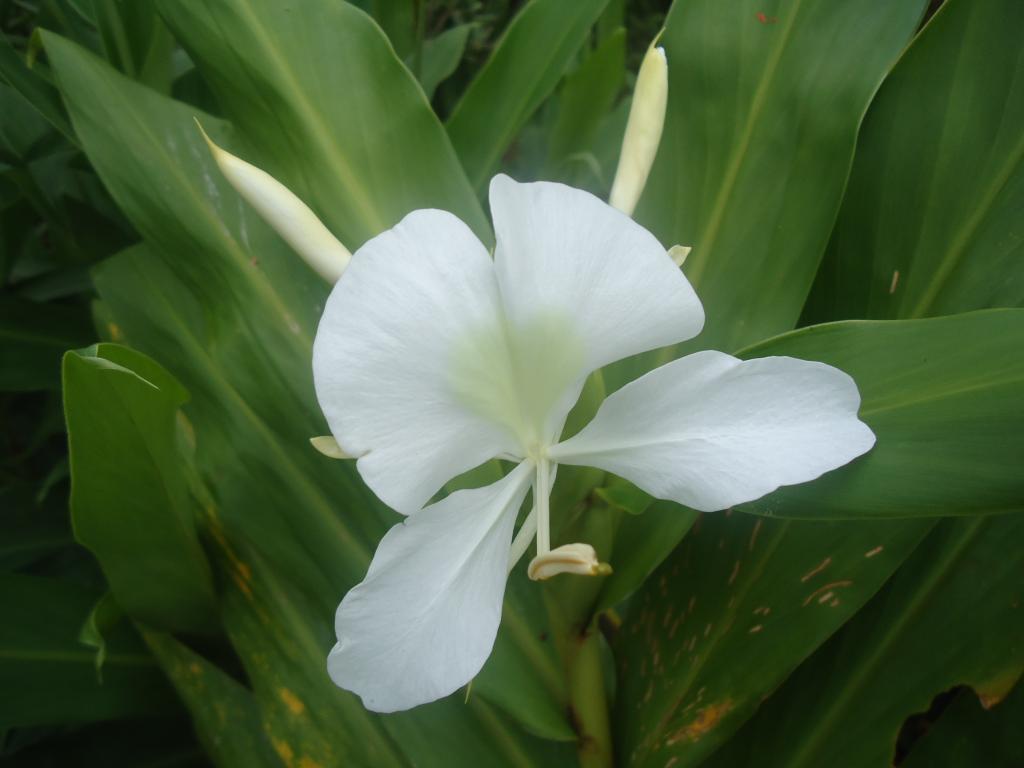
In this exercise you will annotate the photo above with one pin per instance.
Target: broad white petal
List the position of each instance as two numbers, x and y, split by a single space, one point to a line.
583 285
424 620
711 431
397 361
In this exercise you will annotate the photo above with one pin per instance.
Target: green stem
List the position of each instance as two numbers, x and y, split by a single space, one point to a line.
588 701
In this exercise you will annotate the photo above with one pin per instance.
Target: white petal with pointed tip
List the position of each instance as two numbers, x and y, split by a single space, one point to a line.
397 359
711 431
424 620
582 285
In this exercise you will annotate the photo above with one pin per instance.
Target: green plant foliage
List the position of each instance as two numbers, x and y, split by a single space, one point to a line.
523 69
329 109
887 660
49 677
757 146
970 734
931 221
849 175
130 501
729 615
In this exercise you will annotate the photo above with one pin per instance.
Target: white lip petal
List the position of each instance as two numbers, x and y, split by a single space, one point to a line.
568 260
383 358
424 620
711 431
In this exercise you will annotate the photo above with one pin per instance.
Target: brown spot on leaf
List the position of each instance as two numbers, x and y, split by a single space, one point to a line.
293 702
703 722
816 570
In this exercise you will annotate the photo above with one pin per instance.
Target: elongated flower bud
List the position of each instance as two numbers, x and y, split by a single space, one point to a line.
579 559
281 209
643 131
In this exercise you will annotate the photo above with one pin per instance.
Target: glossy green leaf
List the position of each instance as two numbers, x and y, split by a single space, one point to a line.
765 99
439 58
523 70
969 734
951 615
318 92
729 615
130 501
943 398
225 714
47 676
931 220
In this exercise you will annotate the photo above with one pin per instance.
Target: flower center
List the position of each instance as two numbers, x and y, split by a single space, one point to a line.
520 376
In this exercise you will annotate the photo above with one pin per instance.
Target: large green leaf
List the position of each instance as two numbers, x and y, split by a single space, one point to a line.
931 220
951 615
729 615
524 68
765 99
318 92
943 398
130 500
48 677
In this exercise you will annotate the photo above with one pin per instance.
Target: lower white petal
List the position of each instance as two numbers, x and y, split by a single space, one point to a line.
424 620
711 431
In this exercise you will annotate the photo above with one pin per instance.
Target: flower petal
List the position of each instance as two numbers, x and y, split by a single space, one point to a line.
711 431
583 285
424 620
384 359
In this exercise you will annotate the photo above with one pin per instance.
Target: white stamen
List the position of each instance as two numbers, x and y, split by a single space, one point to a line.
541 491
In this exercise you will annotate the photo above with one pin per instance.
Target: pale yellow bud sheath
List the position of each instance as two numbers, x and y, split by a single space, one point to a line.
328 446
281 209
643 131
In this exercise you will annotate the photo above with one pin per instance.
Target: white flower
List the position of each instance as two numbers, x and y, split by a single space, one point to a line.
432 358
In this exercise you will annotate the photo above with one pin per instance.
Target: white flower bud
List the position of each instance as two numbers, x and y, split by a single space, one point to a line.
643 131
281 209
579 559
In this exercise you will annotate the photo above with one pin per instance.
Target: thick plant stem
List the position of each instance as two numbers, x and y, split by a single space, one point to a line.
587 700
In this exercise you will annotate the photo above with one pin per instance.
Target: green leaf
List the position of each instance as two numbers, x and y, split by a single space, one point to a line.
765 99
931 220
225 714
943 398
585 99
951 615
135 41
130 501
522 71
48 677
440 57
729 615
317 91
969 734
33 337
35 90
